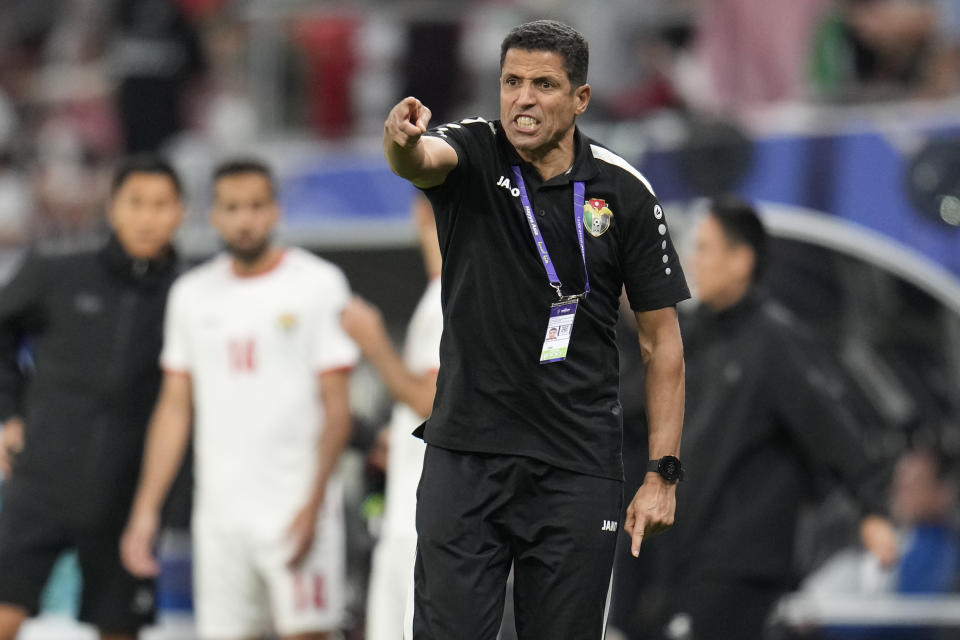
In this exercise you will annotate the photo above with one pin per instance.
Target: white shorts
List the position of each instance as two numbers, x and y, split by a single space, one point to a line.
243 586
390 597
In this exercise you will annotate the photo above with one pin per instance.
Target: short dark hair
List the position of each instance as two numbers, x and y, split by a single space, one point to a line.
144 163
742 226
553 36
240 166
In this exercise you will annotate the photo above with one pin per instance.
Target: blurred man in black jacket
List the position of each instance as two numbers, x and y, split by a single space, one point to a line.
764 415
73 429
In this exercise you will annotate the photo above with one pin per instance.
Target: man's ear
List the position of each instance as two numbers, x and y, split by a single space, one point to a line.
582 96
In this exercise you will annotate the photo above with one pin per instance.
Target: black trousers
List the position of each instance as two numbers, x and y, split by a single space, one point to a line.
478 514
31 540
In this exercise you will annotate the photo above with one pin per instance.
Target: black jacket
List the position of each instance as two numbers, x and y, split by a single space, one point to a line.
766 414
91 323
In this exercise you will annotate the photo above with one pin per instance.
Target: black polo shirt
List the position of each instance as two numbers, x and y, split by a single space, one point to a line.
493 395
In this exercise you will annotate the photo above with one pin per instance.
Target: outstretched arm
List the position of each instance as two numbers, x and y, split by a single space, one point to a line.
167 440
652 508
424 161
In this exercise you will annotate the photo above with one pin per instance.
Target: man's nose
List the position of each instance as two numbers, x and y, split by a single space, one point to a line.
246 214
527 95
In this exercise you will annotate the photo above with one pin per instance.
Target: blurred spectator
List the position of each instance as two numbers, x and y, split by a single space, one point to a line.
881 49
68 183
433 52
923 504
73 429
656 55
14 192
155 58
24 27
923 501
752 52
65 126
331 59
228 116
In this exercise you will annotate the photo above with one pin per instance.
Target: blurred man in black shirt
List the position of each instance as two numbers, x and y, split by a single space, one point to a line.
73 430
764 414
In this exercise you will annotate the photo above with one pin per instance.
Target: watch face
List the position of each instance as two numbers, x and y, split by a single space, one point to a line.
670 468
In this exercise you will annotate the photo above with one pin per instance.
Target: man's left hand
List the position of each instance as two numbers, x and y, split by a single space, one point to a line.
651 510
302 532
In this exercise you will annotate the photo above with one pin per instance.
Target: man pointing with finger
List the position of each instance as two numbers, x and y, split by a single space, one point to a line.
540 228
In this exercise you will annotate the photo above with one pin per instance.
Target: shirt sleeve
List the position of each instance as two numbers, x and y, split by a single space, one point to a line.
333 348
651 269
457 136
471 139
176 356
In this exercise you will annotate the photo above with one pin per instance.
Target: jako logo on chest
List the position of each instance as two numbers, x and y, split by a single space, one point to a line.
504 182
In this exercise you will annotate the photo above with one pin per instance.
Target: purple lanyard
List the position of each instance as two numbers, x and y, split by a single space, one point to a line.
552 276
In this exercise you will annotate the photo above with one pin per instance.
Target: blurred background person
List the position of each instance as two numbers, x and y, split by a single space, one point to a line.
883 49
923 506
752 53
156 59
253 347
760 423
73 433
411 379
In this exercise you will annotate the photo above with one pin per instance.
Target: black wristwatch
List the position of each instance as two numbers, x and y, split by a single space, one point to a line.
668 467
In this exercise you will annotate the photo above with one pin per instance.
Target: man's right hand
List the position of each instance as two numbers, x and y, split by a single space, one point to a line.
423 160
11 444
136 544
406 122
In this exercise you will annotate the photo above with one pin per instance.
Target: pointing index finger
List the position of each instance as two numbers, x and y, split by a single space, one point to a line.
423 118
636 537
636 541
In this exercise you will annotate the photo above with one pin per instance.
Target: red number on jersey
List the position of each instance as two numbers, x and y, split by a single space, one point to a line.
308 591
243 355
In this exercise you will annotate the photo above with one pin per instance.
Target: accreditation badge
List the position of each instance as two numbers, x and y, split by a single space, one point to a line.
559 329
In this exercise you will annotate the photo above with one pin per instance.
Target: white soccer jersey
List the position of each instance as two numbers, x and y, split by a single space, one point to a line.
392 573
253 346
421 354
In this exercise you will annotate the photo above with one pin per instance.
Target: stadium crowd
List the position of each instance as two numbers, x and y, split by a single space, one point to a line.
86 83
82 81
